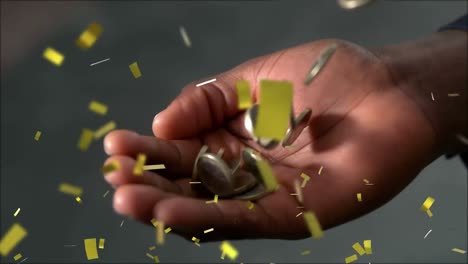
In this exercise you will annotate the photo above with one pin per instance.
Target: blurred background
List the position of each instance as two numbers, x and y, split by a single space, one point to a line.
36 95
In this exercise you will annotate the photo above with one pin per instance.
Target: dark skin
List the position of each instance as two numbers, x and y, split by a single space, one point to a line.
369 122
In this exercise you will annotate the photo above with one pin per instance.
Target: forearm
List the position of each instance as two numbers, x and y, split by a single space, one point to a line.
433 72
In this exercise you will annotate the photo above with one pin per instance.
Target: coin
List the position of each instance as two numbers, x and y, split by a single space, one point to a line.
214 174
259 191
320 63
298 126
249 123
202 151
352 4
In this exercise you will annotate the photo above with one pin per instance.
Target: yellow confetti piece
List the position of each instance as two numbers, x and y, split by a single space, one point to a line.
453 94
359 249
351 258
359 197
101 243
313 225
109 126
13 237
90 248
160 233
229 250
185 37
154 167
156 259
274 109
17 212
138 169
208 230
167 230
305 178
37 136
135 70
194 239
78 199
53 56
85 139
154 222
250 205
215 200
97 107
70 189
87 39
427 204
429 213
305 252
269 180
243 93
223 254
152 248
368 246
149 256
110 167
461 251
17 256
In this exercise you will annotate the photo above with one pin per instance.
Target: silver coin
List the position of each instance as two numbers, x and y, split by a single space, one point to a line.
202 151
215 175
259 191
250 158
249 122
295 130
320 63
352 4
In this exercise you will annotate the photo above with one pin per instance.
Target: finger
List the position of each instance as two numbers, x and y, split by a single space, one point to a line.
177 156
124 175
137 201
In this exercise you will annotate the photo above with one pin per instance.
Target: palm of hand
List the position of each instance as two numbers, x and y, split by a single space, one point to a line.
362 127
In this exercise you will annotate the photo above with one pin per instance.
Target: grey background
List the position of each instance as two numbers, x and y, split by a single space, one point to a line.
38 96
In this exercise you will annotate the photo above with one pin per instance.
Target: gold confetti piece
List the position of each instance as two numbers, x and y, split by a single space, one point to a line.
152 248
359 197
306 178
368 246
250 205
17 256
269 180
37 136
167 230
365 180
17 212
154 167
229 250
299 214
97 107
53 56
223 254
70 189
194 239
110 167
305 252
429 213
85 139
274 109
427 204
432 96
351 258
185 37
453 94
160 233
78 199
320 170
461 251
156 259
138 169
298 189
90 248
359 249
149 256
313 225
154 222
215 200
87 39
105 194
135 70
195 182
109 126
101 243
208 230
243 93
13 237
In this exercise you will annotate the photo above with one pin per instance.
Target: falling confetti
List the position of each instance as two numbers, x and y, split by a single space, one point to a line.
359 197
97 107
121 223
208 230
266 172
215 200
320 170
37 136
167 230
87 39
78 199
313 225
185 37
101 243
305 178
250 205
17 256
135 70
105 194
17 212
160 233
427 205
359 249
461 251
53 56
207 82
368 246
152 248
154 167
98 62
70 189
85 139
351 259
90 248
229 250
109 126
110 167
305 252
138 169
243 93
453 94
427 233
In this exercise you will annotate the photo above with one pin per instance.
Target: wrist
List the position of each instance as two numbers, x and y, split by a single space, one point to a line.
433 73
